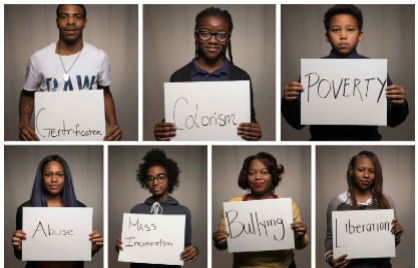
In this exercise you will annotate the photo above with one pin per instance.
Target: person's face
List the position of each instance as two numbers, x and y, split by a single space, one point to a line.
363 173
259 178
344 34
212 49
53 178
157 180
71 22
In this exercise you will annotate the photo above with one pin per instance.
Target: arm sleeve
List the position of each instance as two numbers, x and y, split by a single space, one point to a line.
19 219
103 79
291 112
332 206
299 244
396 113
188 234
33 78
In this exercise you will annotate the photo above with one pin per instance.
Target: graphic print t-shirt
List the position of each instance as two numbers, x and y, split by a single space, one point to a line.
45 72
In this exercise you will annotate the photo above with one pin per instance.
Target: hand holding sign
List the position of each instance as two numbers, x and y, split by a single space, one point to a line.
396 94
18 236
292 90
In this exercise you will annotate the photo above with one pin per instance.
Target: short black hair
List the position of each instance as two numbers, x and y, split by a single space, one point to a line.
80 5
216 12
343 9
276 171
156 157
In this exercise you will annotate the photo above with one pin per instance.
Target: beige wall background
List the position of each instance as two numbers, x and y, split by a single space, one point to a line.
398 183
169 45
113 28
388 32
20 165
125 191
296 183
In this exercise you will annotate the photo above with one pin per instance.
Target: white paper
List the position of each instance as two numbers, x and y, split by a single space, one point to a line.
70 115
344 92
155 239
363 233
57 234
207 110
259 225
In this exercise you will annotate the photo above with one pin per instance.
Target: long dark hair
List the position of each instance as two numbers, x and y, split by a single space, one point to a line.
276 171
38 197
216 12
378 199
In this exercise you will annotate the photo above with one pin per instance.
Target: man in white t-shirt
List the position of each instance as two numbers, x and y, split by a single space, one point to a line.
70 64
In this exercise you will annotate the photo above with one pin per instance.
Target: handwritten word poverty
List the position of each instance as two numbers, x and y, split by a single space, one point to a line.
343 87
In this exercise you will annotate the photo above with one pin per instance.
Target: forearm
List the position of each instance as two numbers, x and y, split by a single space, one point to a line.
26 102
109 107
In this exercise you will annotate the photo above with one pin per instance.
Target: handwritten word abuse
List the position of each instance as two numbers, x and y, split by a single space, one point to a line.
155 239
352 230
57 234
343 91
207 110
259 225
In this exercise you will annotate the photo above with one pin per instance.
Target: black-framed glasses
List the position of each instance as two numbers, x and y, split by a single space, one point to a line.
206 35
159 178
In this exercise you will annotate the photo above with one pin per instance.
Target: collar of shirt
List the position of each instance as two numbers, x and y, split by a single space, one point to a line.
333 55
222 73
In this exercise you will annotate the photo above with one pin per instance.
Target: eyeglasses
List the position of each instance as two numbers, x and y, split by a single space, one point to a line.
206 35
159 178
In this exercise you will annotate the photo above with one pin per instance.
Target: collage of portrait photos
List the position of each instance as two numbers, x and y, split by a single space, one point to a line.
243 134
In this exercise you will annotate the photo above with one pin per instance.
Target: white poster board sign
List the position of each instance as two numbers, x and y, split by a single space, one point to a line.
57 234
259 225
70 115
207 110
155 239
343 92
353 229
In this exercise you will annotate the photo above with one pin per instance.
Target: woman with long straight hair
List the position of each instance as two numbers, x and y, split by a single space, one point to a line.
53 187
365 192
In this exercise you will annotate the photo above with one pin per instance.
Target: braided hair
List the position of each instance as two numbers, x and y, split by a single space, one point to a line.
216 12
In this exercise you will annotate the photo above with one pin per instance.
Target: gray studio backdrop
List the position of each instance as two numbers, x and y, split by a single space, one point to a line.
388 32
296 183
125 191
113 28
398 183
169 45
20 165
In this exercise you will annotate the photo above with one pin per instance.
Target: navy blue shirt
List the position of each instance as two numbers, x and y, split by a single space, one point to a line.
221 74
396 115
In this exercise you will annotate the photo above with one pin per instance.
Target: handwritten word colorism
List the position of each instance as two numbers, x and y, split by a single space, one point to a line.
50 231
196 120
273 227
63 130
344 87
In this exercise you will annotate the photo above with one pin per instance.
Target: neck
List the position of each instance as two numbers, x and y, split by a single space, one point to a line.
161 198
362 196
260 197
54 201
68 48
210 65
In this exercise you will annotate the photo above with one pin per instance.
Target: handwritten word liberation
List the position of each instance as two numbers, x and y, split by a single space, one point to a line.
384 226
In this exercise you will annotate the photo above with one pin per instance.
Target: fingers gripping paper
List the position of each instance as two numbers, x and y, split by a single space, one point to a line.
57 234
155 239
344 92
207 110
259 225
